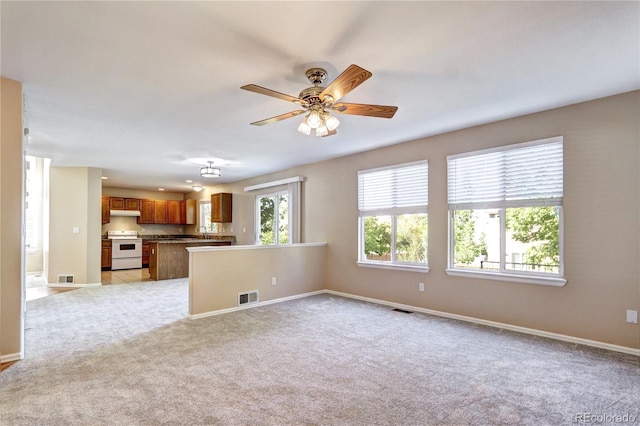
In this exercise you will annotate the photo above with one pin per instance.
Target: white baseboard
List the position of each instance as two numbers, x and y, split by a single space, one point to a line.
525 330
11 357
255 305
56 285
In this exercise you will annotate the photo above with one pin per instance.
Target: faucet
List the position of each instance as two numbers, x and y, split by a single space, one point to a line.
206 236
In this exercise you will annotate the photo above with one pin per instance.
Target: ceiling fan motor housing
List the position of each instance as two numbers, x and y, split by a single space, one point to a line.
316 75
310 95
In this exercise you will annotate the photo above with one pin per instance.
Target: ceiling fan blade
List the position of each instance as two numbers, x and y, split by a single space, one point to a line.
272 93
350 78
331 133
278 118
382 111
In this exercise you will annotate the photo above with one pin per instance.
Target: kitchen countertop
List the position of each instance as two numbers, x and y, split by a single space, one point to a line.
202 241
177 238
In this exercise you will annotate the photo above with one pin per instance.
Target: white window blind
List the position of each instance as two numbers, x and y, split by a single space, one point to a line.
389 190
524 174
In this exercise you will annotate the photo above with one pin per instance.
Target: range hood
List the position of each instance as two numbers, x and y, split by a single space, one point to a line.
124 213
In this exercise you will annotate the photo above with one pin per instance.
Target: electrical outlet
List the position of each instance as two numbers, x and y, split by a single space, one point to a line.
273 280
421 286
632 317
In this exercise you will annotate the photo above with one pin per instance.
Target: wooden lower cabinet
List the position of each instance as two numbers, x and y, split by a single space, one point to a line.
145 253
168 260
106 255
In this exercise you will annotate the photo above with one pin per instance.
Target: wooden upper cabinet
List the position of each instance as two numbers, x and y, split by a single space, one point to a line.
161 211
221 207
188 211
131 204
106 215
116 203
147 211
173 209
121 203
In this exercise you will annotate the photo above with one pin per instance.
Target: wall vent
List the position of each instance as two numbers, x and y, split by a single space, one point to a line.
66 279
248 297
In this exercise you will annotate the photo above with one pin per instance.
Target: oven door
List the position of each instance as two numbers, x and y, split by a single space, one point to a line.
121 248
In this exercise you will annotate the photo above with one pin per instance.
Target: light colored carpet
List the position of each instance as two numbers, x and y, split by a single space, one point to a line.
127 355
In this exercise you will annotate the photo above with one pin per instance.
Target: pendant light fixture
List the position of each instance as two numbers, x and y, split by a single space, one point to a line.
210 171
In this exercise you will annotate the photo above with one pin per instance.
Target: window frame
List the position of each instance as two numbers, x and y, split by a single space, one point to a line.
503 274
294 189
393 213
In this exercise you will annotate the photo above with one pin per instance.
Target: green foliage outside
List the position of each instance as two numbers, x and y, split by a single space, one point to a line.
283 219
466 249
411 237
377 235
267 211
267 219
538 226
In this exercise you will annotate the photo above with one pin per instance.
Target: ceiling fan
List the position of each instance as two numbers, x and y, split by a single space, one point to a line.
318 101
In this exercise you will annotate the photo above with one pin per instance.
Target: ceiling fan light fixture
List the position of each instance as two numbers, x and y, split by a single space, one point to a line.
331 122
322 131
210 171
304 128
314 120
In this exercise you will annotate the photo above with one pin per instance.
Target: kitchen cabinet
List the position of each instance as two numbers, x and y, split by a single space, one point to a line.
116 203
131 204
106 214
221 207
121 203
188 212
145 253
170 259
105 260
173 210
160 215
147 211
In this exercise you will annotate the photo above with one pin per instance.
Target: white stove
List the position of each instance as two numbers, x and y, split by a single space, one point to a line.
126 250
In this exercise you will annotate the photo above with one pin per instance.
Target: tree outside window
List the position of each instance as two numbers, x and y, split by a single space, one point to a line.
274 228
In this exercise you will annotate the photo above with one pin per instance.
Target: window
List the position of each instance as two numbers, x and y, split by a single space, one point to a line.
273 218
505 211
392 204
205 218
277 219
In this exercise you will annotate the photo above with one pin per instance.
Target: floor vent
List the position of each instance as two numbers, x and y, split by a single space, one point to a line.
66 279
249 297
402 310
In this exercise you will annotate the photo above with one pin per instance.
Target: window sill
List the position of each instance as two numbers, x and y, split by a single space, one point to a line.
498 276
393 266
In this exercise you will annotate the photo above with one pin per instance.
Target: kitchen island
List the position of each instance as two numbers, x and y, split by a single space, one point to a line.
169 258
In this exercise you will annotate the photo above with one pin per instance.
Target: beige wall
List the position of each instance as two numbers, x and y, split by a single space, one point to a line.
216 276
601 216
11 214
75 203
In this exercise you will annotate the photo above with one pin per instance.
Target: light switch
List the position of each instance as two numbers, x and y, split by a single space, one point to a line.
76 229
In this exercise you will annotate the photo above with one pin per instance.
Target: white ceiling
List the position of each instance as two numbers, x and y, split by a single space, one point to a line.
141 89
